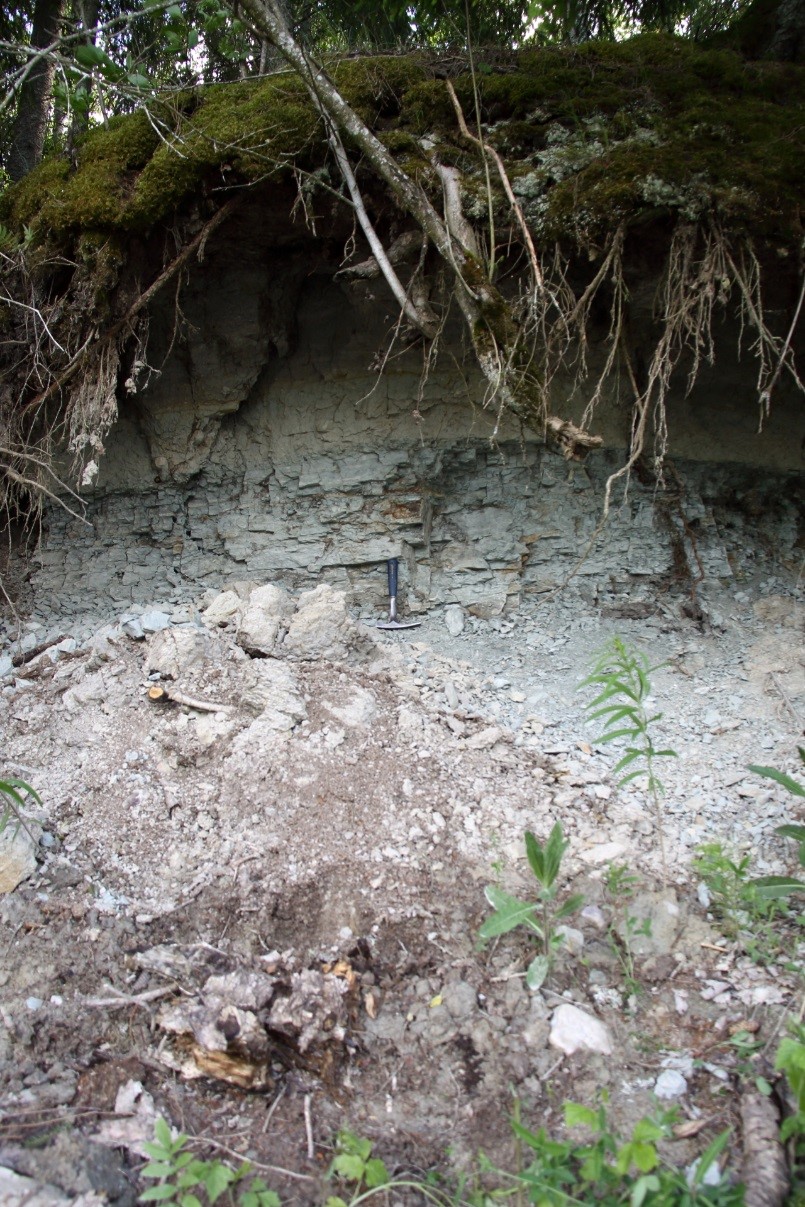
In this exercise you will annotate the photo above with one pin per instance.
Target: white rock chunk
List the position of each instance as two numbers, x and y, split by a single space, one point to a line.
322 628
358 709
175 652
454 619
264 618
670 1084
573 1030
17 856
225 605
604 852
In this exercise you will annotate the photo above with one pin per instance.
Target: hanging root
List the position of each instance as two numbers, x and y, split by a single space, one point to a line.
704 272
63 376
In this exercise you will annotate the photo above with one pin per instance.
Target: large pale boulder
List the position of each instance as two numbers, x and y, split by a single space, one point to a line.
322 628
177 652
264 619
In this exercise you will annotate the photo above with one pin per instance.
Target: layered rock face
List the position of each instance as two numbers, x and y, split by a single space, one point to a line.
268 447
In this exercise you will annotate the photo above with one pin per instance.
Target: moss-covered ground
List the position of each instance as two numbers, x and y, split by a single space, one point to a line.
592 136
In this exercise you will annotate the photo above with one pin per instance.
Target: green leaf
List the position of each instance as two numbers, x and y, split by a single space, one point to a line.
218 1178
642 1156
14 786
350 1142
158 1152
791 831
780 777
157 1194
570 906
710 1154
138 81
88 55
769 888
190 1200
509 912
535 855
537 971
577 1115
157 1169
647 1129
633 775
554 850
375 1173
649 1182
349 1166
617 733
164 1136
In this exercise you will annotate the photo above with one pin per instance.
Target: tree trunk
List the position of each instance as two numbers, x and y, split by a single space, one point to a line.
88 11
787 43
33 110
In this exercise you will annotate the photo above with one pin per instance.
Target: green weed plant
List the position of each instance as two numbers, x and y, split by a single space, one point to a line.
183 1180
782 886
539 917
620 886
14 796
609 1170
623 676
744 911
790 1060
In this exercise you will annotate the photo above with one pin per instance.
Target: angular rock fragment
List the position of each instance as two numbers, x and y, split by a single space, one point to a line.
17 856
573 1030
264 619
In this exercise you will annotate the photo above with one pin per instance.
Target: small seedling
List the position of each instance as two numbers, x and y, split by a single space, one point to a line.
181 1177
354 1165
623 675
620 885
13 793
540 917
608 1169
748 909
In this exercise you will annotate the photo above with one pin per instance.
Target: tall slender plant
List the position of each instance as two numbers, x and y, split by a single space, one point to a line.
623 675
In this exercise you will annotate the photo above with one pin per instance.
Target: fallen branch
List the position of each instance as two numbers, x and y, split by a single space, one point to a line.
29 655
161 695
129 999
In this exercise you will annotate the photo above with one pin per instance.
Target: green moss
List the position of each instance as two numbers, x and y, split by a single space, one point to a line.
400 142
592 135
21 204
240 132
377 86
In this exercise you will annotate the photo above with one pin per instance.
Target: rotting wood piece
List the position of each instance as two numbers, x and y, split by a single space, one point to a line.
764 1169
29 655
161 695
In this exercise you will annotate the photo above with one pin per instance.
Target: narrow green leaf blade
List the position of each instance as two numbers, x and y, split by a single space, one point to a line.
509 912
780 777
